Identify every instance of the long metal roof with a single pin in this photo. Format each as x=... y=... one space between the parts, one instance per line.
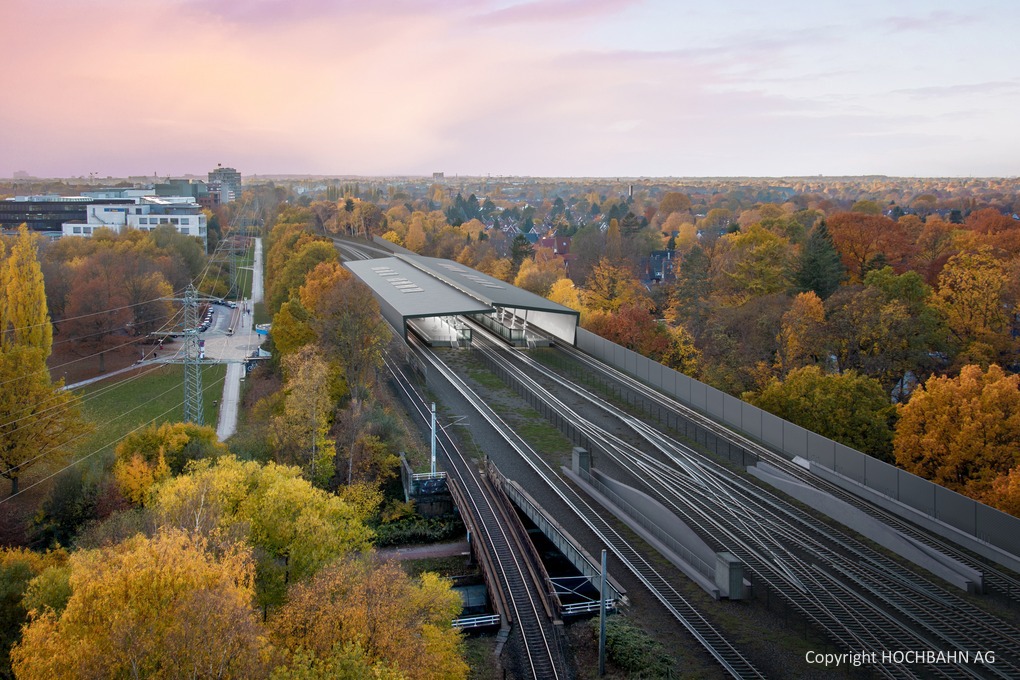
x=412 y=292
x=483 y=287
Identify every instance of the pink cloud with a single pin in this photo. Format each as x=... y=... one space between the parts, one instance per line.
x=553 y=11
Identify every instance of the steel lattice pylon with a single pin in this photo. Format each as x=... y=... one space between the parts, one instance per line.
x=192 y=363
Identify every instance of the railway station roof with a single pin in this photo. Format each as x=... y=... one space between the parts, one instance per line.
x=488 y=289
x=411 y=292
x=411 y=286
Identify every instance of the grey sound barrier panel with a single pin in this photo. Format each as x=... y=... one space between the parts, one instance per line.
x=849 y=463
x=630 y=362
x=699 y=395
x=794 y=440
x=954 y=509
x=772 y=430
x=714 y=402
x=821 y=450
x=881 y=476
x=750 y=420
x=683 y=388
x=732 y=411
x=997 y=528
x=916 y=492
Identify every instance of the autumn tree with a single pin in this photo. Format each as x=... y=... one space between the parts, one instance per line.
x=673 y=202
x=292 y=327
x=751 y=264
x=846 y=407
x=612 y=287
x=631 y=326
x=294 y=527
x=300 y=434
x=150 y=607
x=969 y=293
x=997 y=230
x=539 y=273
x=962 y=432
x=147 y=291
x=688 y=297
x=97 y=308
x=154 y=453
x=680 y=353
x=351 y=329
x=802 y=333
x=1005 y=492
x=935 y=245
x=859 y=238
x=564 y=292
x=19 y=569
x=376 y=608
x=739 y=344
x=38 y=419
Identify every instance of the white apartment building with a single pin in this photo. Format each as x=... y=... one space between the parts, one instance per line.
x=145 y=214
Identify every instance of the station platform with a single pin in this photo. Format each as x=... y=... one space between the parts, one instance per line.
x=441 y=331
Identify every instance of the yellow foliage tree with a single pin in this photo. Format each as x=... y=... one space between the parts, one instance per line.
x=970 y=290
x=135 y=476
x=962 y=432
x=301 y=433
x=564 y=292
x=396 y=623
x=152 y=454
x=802 y=334
x=538 y=275
x=296 y=527
x=611 y=287
x=38 y=419
x=151 y=607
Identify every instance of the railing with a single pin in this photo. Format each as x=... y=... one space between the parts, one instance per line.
x=585 y=607
x=707 y=570
x=476 y=621
x=418 y=476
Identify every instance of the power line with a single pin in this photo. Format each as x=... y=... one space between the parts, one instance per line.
x=51 y=369
x=143 y=371
x=89 y=455
x=80 y=436
x=82 y=316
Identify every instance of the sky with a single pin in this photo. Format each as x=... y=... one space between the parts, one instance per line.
x=560 y=88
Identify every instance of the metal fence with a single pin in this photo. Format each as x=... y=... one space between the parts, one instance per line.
x=969 y=516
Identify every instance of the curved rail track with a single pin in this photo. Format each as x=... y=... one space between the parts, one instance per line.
x=859 y=597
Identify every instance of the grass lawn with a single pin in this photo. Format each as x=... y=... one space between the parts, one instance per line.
x=121 y=405
x=244 y=273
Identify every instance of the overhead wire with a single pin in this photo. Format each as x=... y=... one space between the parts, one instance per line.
x=116 y=385
x=142 y=371
x=108 y=389
x=99 y=450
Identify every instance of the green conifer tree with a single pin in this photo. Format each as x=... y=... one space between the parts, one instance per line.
x=820 y=268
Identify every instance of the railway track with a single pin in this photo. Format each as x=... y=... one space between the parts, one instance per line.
x=542 y=654
x=714 y=641
x=997 y=581
x=817 y=570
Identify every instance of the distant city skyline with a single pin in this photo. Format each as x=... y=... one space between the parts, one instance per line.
x=559 y=88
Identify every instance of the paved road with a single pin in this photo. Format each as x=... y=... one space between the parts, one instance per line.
x=219 y=345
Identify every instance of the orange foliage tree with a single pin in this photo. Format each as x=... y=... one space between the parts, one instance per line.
x=962 y=432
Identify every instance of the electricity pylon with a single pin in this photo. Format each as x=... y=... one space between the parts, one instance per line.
x=193 y=412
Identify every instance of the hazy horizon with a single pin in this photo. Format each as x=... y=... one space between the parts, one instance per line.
x=543 y=88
